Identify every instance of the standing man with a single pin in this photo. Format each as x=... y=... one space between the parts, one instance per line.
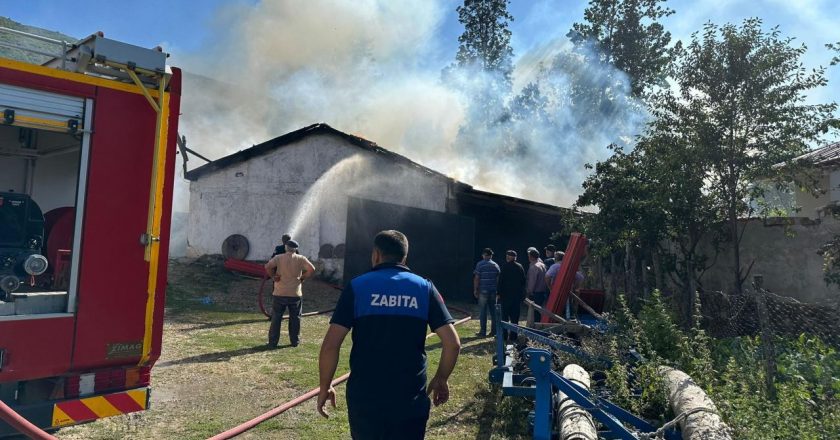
x=511 y=289
x=288 y=270
x=536 y=287
x=388 y=310
x=549 y=256
x=554 y=269
x=282 y=248
x=485 y=280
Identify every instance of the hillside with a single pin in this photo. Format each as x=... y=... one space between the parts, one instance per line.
x=21 y=55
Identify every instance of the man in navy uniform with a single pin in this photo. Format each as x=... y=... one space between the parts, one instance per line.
x=388 y=310
x=281 y=249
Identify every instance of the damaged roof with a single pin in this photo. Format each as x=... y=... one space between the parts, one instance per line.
x=322 y=128
x=294 y=136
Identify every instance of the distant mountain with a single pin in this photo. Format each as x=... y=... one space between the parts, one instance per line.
x=31 y=43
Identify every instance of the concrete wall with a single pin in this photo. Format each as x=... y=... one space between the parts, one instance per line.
x=302 y=189
x=786 y=257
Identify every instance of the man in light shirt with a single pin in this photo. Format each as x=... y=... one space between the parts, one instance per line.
x=554 y=269
x=288 y=270
x=535 y=287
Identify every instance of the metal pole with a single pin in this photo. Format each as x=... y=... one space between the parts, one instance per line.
x=500 y=338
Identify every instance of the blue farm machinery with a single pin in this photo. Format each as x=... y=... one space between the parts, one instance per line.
x=543 y=362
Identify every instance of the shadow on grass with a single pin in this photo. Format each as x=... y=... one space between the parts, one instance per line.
x=484 y=348
x=219 y=356
x=464 y=342
x=494 y=414
x=212 y=325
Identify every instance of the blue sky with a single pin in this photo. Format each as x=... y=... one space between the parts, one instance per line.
x=187 y=25
x=388 y=107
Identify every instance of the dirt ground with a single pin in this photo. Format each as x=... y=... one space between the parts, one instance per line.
x=215 y=374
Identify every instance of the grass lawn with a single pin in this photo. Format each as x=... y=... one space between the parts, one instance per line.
x=214 y=374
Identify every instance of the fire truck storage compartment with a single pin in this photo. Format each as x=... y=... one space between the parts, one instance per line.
x=41 y=161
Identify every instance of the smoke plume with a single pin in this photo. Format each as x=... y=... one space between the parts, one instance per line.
x=369 y=67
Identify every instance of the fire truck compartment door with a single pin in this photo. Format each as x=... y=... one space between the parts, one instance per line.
x=24 y=107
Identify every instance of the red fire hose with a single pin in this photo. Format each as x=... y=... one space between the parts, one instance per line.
x=268 y=315
x=233 y=432
x=22 y=425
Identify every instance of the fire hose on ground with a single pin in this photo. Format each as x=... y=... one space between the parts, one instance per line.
x=231 y=433
x=26 y=428
x=23 y=426
x=265 y=312
x=8 y=415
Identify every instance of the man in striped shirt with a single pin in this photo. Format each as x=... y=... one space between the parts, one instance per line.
x=485 y=281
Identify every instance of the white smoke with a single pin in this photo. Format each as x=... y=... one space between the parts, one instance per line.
x=363 y=67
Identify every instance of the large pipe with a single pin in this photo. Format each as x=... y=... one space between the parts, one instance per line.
x=697 y=415
x=575 y=422
x=233 y=432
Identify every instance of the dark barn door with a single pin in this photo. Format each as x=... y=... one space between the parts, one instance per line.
x=440 y=245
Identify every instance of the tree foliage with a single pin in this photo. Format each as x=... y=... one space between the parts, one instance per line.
x=486 y=38
x=484 y=61
x=735 y=110
x=630 y=37
x=741 y=103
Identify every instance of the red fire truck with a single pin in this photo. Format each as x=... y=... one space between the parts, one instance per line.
x=87 y=153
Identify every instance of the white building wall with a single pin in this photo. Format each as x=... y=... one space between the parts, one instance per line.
x=809 y=204
x=301 y=189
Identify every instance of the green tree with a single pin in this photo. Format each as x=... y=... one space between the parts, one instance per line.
x=483 y=65
x=630 y=37
x=529 y=105
x=741 y=105
x=486 y=38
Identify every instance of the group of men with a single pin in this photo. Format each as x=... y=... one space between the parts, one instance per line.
x=388 y=310
x=510 y=284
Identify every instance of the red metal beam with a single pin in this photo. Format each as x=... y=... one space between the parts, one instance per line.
x=564 y=281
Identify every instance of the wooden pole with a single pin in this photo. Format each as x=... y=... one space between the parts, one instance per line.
x=767 y=348
x=700 y=419
x=586 y=307
x=575 y=422
x=529 y=320
x=570 y=326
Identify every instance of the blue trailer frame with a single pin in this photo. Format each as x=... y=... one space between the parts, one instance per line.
x=544 y=382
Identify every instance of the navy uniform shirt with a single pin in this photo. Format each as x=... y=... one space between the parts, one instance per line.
x=389 y=309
